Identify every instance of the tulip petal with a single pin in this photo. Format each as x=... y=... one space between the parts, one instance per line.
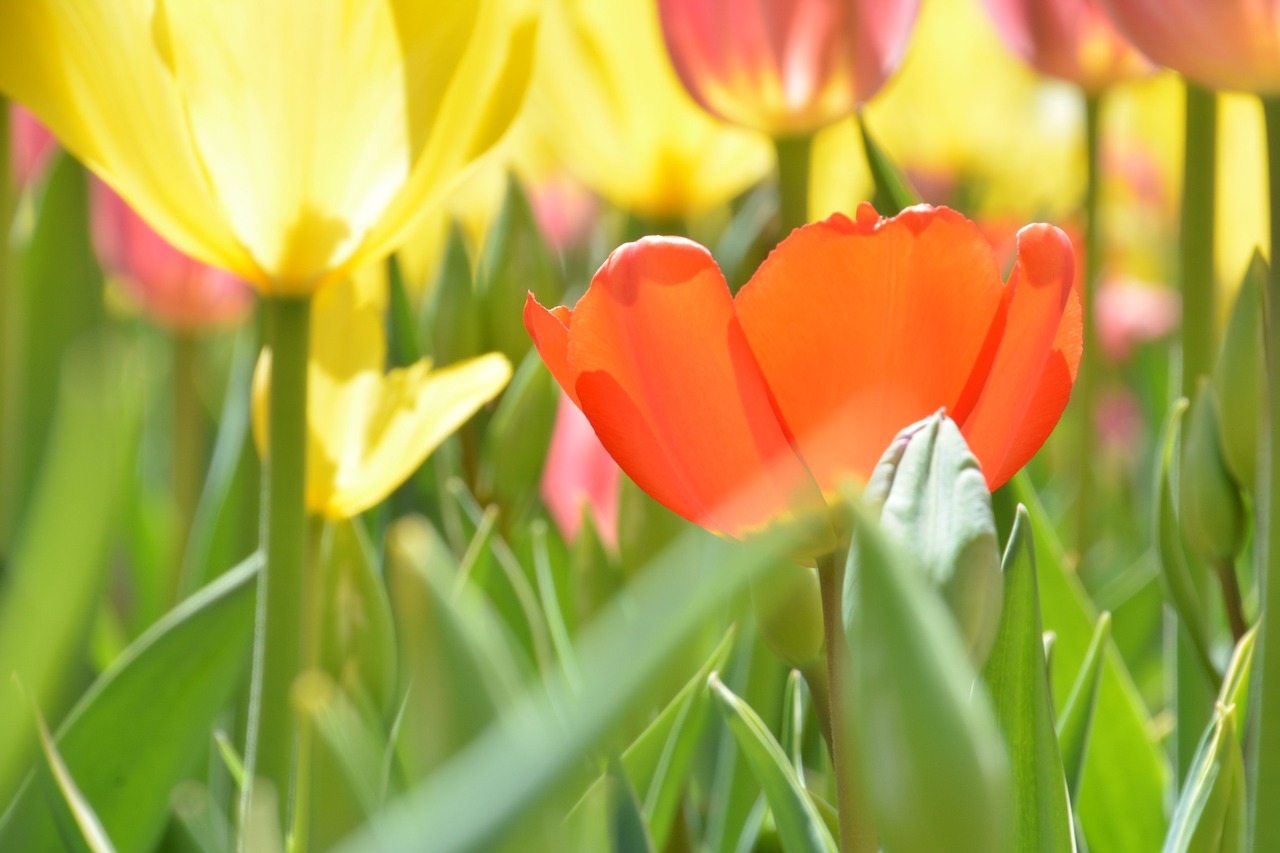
x=665 y=376
x=97 y=74
x=1030 y=378
x=300 y=114
x=550 y=333
x=415 y=409
x=862 y=328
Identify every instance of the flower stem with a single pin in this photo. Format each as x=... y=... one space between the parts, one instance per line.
x=188 y=445
x=1086 y=381
x=1231 y=599
x=793 y=181
x=1265 y=690
x=270 y=748
x=857 y=835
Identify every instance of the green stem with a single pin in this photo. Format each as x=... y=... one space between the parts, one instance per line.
x=857 y=835
x=1087 y=377
x=270 y=748
x=793 y=181
x=1232 y=601
x=1195 y=693
x=320 y=543
x=188 y=444
x=1196 y=241
x=1265 y=691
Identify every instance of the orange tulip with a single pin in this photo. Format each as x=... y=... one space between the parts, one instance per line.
x=735 y=412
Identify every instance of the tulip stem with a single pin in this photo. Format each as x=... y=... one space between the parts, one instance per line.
x=1265 y=691
x=1232 y=601
x=1085 y=388
x=793 y=181
x=857 y=835
x=188 y=445
x=270 y=746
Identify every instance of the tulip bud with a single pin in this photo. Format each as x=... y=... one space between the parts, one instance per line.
x=935 y=505
x=1210 y=510
x=1238 y=377
x=788 y=608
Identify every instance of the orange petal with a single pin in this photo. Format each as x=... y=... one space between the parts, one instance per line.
x=864 y=327
x=1035 y=365
x=550 y=333
x=668 y=382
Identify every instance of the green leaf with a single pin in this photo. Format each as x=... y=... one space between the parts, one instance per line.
x=933 y=764
x=54 y=580
x=1210 y=508
x=1238 y=375
x=402 y=325
x=1019 y=685
x=627 y=830
x=1121 y=802
x=1078 y=711
x=518 y=435
x=74 y=809
x=541 y=739
x=935 y=506
x=453 y=316
x=800 y=826
x=142 y=726
x=516 y=262
x=1211 y=813
x=893 y=191
x=1182 y=587
x=359 y=643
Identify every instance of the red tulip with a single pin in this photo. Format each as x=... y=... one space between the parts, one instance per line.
x=734 y=412
x=786 y=67
x=174 y=290
x=1070 y=39
x=1224 y=44
x=580 y=473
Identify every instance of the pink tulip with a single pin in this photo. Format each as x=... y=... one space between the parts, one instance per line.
x=32 y=144
x=1224 y=44
x=564 y=209
x=1130 y=312
x=786 y=67
x=1073 y=40
x=177 y=292
x=580 y=473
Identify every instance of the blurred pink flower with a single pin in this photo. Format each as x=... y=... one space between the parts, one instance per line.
x=786 y=67
x=1128 y=312
x=580 y=472
x=564 y=209
x=1073 y=40
x=172 y=289
x=1119 y=422
x=1225 y=44
x=32 y=144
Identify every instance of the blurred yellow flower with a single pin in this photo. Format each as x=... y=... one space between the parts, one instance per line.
x=288 y=142
x=368 y=430
x=606 y=97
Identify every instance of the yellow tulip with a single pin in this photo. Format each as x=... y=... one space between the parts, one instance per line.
x=369 y=430
x=606 y=96
x=287 y=142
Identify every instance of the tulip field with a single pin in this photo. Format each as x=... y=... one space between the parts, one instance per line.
x=639 y=426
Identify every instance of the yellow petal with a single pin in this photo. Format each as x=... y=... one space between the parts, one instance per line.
x=606 y=95
x=97 y=73
x=417 y=410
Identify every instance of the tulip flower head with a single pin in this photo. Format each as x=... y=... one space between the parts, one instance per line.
x=286 y=142
x=786 y=67
x=172 y=289
x=1073 y=40
x=736 y=411
x=1223 y=44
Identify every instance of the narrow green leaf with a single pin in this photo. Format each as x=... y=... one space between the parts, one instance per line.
x=54 y=581
x=86 y=824
x=1210 y=815
x=627 y=830
x=1078 y=711
x=1176 y=569
x=1211 y=509
x=551 y=607
x=518 y=435
x=1019 y=685
x=1122 y=791
x=794 y=708
x=144 y=723
x=926 y=736
x=799 y=825
x=893 y=191
x=230 y=757
x=452 y=318
x=1239 y=372
x=402 y=331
